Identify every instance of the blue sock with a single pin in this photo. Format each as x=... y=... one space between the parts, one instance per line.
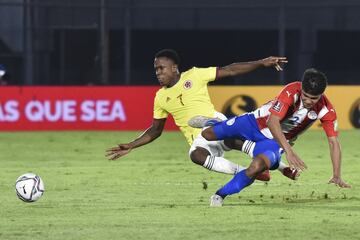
x=239 y=181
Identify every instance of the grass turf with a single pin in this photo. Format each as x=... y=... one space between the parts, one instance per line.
x=155 y=192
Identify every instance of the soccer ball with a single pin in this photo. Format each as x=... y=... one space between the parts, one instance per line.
x=29 y=187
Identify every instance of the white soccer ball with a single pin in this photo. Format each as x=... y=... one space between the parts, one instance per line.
x=29 y=187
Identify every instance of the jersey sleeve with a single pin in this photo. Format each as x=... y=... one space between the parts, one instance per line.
x=206 y=74
x=159 y=112
x=282 y=102
x=329 y=122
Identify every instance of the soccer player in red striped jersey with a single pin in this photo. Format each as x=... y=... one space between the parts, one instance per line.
x=272 y=128
x=297 y=111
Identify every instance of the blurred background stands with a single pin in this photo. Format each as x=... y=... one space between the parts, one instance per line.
x=103 y=42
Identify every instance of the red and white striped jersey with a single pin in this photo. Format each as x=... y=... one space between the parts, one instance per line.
x=294 y=118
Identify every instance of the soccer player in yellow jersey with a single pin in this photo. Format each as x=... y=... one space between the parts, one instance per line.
x=185 y=95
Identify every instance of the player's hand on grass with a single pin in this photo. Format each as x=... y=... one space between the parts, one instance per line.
x=339 y=182
x=117 y=152
x=295 y=161
x=274 y=62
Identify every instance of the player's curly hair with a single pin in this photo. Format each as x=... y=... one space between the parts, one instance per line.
x=314 y=82
x=169 y=53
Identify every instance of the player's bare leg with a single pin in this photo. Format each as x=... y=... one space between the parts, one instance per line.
x=259 y=164
x=202 y=156
x=237 y=144
x=209 y=135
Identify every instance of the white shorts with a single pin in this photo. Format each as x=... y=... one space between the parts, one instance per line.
x=215 y=148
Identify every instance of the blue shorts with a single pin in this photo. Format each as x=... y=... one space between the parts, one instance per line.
x=245 y=127
x=271 y=149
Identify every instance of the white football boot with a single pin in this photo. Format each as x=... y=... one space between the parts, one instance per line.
x=202 y=121
x=216 y=201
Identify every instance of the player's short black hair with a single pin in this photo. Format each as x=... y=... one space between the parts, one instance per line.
x=169 y=53
x=314 y=82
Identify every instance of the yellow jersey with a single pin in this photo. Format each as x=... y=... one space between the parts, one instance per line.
x=189 y=97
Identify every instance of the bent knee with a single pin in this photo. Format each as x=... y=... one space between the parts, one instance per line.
x=209 y=134
x=205 y=134
x=199 y=155
x=257 y=166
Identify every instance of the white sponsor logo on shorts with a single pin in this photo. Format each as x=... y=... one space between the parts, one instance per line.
x=230 y=121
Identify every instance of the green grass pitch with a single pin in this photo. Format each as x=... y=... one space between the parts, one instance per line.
x=155 y=192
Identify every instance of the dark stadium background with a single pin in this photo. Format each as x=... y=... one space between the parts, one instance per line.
x=109 y=42
x=80 y=80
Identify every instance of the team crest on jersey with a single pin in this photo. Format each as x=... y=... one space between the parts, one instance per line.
x=277 y=106
x=187 y=84
x=312 y=115
x=230 y=121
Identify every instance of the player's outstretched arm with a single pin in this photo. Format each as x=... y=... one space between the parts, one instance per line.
x=293 y=159
x=149 y=135
x=335 y=154
x=245 y=67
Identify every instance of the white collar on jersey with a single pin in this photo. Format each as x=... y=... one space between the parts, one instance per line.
x=301 y=107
